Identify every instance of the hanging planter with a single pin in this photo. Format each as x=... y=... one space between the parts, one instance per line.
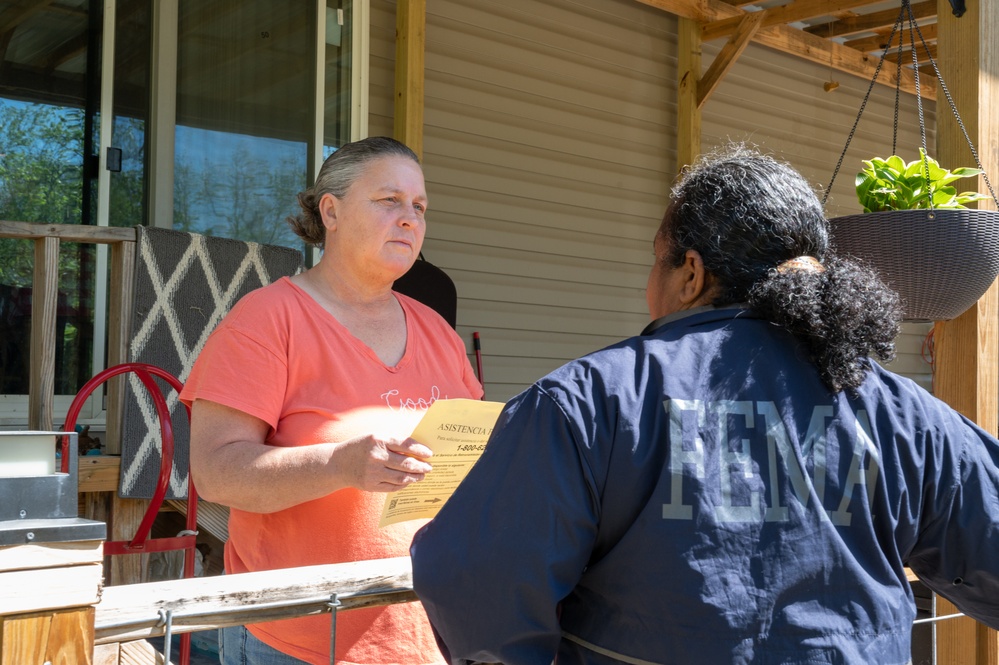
x=939 y=261
x=915 y=231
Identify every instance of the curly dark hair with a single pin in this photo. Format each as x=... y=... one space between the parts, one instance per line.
x=337 y=174
x=747 y=213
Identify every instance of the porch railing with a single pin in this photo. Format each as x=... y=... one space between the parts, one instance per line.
x=45 y=293
x=142 y=611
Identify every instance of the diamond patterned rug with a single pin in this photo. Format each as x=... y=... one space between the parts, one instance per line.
x=185 y=284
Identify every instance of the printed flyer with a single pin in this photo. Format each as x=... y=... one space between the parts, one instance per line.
x=457 y=431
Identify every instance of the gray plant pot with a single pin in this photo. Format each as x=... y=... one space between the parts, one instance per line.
x=940 y=261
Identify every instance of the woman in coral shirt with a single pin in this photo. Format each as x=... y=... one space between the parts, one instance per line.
x=304 y=398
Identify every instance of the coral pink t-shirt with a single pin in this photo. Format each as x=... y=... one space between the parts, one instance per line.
x=281 y=357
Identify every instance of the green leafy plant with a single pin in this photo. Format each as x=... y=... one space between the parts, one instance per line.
x=891 y=184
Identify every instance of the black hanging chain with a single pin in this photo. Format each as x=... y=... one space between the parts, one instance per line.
x=919 y=95
x=898 y=93
x=906 y=8
x=863 y=105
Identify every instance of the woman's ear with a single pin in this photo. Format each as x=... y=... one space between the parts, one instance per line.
x=328 y=211
x=694 y=287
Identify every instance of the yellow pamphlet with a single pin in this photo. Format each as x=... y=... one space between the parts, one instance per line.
x=457 y=431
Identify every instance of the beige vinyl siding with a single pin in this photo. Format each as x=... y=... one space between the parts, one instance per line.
x=549 y=147
x=381 y=68
x=910 y=361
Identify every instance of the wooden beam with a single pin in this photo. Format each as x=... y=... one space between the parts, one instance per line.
x=875 y=21
x=50 y=588
x=880 y=42
x=797 y=43
x=130 y=612
x=702 y=11
x=51 y=555
x=839 y=57
x=688 y=121
x=98 y=473
x=65 y=636
x=799 y=10
x=67 y=232
x=47 y=591
x=410 y=45
x=728 y=56
x=44 y=297
x=967 y=348
x=120 y=306
x=923 y=55
x=126 y=516
x=110 y=654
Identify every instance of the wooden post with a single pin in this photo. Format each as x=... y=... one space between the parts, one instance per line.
x=688 y=121
x=126 y=515
x=44 y=300
x=47 y=597
x=410 y=43
x=119 y=331
x=967 y=348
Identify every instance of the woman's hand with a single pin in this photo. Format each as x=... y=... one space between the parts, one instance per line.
x=376 y=464
x=233 y=466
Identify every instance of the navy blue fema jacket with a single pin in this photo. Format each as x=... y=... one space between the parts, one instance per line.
x=697 y=495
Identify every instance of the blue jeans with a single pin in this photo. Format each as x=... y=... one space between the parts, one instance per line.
x=238 y=646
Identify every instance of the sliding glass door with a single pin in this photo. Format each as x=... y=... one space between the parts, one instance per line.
x=204 y=116
x=50 y=92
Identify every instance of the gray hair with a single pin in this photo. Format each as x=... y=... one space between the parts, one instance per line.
x=338 y=173
x=745 y=213
x=750 y=216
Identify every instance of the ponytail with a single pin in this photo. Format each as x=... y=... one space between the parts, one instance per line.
x=842 y=315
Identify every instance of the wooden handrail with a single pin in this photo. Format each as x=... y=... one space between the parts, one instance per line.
x=103 y=235
x=133 y=611
x=136 y=611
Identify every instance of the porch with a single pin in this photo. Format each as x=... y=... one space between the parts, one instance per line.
x=965 y=369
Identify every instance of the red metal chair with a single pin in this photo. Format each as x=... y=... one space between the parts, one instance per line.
x=141 y=543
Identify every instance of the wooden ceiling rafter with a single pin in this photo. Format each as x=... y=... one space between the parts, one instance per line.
x=809 y=29
x=792 y=12
x=726 y=58
x=879 y=42
x=923 y=55
x=875 y=21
